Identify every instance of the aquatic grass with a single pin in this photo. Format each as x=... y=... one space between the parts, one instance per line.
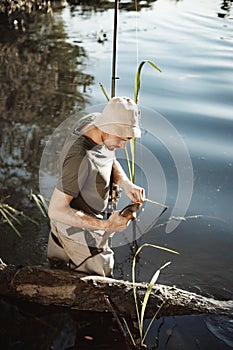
x=40 y=202
x=104 y=91
x=128 y=164
x=132 y=172
x=137 y=83
x=10 y=217
x=133 y=158
x=141 y=312
x=148 y=291
x=129 y=332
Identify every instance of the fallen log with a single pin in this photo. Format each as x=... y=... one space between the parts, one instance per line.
x=46 y=286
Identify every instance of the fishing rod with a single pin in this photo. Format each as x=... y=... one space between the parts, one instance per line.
x=113 y=189
x=114 y=49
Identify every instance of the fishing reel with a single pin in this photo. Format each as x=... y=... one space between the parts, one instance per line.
x=113 y=199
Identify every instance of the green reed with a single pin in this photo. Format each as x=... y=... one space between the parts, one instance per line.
x=11 y=215
x=141 y=307
x=40 y=202
x=137 y=85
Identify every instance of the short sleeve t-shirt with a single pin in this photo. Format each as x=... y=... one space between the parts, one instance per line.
x=85 y=171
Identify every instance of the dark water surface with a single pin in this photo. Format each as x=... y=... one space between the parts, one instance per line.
x=53 y=70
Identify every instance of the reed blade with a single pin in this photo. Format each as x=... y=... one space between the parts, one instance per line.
x=9 y=222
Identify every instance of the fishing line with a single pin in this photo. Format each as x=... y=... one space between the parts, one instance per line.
x=137 y=63
x=154 y=202
x=136 y=32
x=140 y=141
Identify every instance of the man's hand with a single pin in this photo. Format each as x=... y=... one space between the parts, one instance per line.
x=134 y=192
x=116 y=222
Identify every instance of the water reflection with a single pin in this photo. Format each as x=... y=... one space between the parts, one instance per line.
x=15 y=14
x=37 y=93
x=20 y=143
x=42 y=82
x=29 y=326
x=88 y=7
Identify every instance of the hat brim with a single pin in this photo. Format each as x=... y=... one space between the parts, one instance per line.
x=120 y=130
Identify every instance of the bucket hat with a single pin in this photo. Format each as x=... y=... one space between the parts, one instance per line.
x=120 y=117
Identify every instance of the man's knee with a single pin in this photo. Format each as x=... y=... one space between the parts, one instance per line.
x=55 y=251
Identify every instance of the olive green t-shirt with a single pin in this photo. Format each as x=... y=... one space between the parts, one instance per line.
x=85 y=171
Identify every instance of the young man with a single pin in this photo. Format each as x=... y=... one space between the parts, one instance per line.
x=81 y=194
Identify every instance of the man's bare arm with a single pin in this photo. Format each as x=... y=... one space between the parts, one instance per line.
x=134 y=192
x=60 y=210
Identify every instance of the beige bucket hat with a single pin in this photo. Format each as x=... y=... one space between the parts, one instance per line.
x=120 y=117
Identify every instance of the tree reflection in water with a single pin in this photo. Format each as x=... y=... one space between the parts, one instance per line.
x=30 y=326
x=42 y=83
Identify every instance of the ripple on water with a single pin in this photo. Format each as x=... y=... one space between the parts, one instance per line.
x=222 y=328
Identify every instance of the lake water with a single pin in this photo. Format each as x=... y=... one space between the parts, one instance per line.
x=185 y=157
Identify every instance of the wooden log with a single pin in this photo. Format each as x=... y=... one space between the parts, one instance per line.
x=46 y=286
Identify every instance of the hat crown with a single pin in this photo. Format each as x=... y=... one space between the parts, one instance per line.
x=120 y=117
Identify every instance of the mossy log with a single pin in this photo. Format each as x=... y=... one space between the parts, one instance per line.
x=66 y=288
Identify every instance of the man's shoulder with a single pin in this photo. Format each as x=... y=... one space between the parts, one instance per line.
x=77 y=144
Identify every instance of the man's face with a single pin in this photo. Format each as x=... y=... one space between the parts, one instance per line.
x=112 y=142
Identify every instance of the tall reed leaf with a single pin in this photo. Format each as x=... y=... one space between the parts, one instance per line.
x=104 y=91
x=128 y=164
x=138 y=77
x=40 y=202
x=140 y=316
x=128 y=330
x=9 y=222
x=6 y=210
x=148 y=291
x=137 y=85
x=152 y=320
x=10 y=214
x=133 y=158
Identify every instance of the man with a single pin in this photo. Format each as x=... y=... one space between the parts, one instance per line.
x=81 y=195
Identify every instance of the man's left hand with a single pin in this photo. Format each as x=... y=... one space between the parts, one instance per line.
x=135 y=193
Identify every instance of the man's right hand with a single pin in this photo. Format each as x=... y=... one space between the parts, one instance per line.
x=116 y=222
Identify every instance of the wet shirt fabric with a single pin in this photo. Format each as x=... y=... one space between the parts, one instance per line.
x=85 y=170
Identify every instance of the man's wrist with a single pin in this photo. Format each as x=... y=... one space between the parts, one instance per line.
x=90 y=222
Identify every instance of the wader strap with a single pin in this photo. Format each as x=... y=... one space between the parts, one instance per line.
x=93 y=250
x=56 y=240
x=72 y=265
x=89 y=239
